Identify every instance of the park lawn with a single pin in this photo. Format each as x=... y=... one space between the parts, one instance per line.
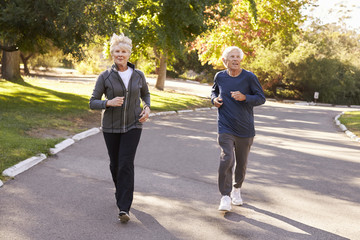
x=352 y=121
x=38 y=113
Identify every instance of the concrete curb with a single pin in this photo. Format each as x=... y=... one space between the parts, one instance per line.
x=202 y=109
x=165 y=113
x=86 y=134
x=185 y=111
x=61 y=146
x=23 y=166
x=32 y=161
x=336 y=119
x=343 y=128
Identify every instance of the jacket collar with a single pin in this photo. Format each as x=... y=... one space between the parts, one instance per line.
x=115 y=67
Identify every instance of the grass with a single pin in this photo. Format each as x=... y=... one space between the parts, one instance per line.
x=352 y=121
x=37 y=114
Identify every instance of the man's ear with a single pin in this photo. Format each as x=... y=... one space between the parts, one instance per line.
x=224 y=62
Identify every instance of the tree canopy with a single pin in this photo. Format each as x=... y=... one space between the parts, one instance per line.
x=166 y=26
x=324 y=58
x=29 y=24
x=289 y=61
x=241 y=27
x=34 y=25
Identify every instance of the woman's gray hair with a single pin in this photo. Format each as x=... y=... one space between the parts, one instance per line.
x=229 y=49
x=121 y=40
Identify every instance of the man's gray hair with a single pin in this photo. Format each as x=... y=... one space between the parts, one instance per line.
x=229 y=49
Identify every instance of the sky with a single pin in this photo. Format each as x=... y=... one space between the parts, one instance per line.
x=330 y=11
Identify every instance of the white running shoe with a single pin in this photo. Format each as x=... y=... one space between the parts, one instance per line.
x=236 y=197
x=225 y=204
x=124 y=217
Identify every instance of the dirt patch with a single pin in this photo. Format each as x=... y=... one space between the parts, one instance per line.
x=48 y=133
x=90 y=120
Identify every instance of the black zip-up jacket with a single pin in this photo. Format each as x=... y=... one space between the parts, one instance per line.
x=124 y=118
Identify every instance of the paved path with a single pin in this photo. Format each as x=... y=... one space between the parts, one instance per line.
x=180 y=86
x=186 y=87
x=302 y=183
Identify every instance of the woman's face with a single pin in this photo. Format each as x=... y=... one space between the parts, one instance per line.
x=233 y=60
x=120 y=55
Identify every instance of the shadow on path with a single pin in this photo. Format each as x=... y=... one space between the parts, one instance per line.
x=311 y=232
x=152 y=224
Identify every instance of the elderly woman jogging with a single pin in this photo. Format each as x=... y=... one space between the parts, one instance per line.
x=124 y=87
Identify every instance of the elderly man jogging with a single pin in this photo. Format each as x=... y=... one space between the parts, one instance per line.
x=235 y=92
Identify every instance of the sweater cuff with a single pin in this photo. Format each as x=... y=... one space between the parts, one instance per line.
x=104 y=104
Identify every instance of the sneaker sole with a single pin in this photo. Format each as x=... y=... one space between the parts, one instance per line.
x=237 y=204
x=124 y=218
x=225 y=209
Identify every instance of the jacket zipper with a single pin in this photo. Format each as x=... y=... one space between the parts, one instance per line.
x=125 y=105
x=126 y=96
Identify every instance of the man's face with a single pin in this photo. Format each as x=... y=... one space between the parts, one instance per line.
x=233 y=60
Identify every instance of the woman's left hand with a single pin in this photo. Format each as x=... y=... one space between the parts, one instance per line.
x=144 y=114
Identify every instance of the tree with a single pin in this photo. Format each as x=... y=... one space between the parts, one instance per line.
x=269 y=65
x=33 y=25
x=166 y=26
x=10 y=58
x=321 y=59
x=326 y=60
x=241 y=27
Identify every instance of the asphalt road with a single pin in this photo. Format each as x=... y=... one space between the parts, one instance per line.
x=302 y=182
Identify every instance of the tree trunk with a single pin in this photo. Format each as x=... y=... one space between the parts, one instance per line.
x=25 y=62
x=160 y=82
x=10 y=67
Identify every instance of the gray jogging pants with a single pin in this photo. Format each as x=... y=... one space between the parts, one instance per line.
x=234 y=152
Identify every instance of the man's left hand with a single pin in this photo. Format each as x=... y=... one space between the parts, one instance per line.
x=238 y=96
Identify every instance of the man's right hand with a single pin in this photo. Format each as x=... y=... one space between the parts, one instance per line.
x=218 y=102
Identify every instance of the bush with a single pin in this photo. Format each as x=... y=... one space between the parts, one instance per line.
x=48 y=60
x=324 y=59
x=94 y=61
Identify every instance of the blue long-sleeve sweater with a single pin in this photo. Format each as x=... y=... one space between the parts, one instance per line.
x=237 y=117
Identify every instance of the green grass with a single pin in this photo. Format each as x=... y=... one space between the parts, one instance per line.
x=352 y=121
x=29 y=110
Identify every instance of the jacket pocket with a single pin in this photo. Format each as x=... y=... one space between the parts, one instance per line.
x=137 y=113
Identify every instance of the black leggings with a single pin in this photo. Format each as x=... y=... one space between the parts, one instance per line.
x=122 y=149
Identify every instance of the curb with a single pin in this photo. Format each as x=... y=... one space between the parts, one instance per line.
x=185 y=111
x=343 y=128
x=32 y=161
x=61 y=146
x=23 y=166
x=164 y=113
x=336 y=119
x=86 y=134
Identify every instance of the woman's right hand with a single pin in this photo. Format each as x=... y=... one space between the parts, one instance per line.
x=115 y=102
